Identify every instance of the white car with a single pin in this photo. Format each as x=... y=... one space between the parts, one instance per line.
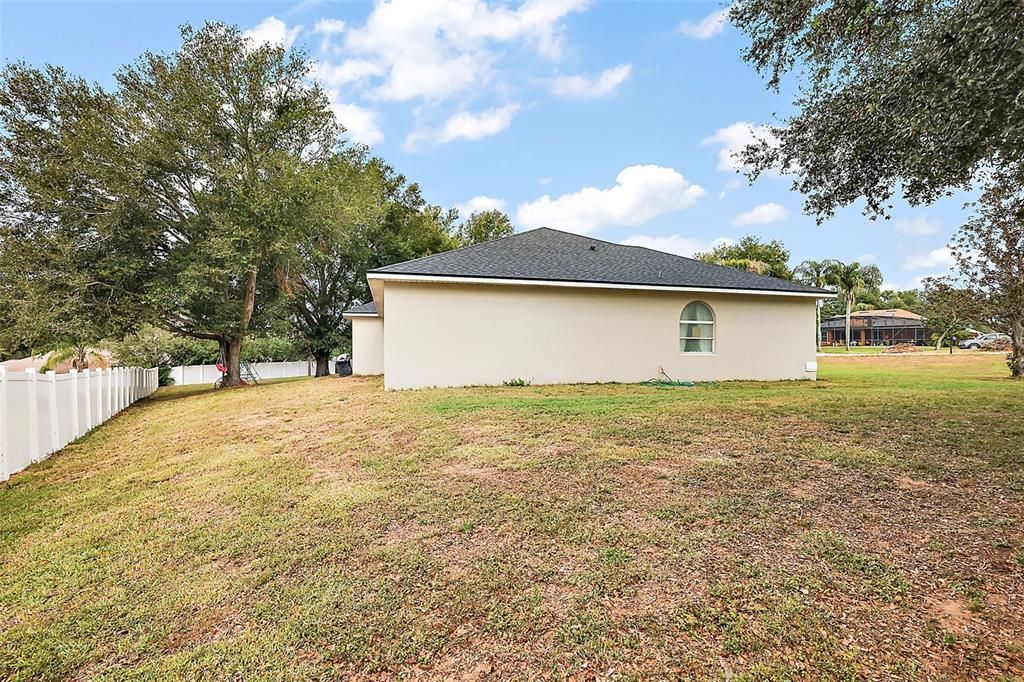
x=982 y=341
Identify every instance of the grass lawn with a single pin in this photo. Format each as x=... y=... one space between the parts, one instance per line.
x=867 y=525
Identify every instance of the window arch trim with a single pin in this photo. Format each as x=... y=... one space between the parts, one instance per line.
x=697 y=336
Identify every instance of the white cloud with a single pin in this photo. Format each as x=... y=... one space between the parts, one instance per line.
x=734 y=138
x=329 y=27
x=581 y=87
x=866 y=258
x=348 y=71
x=273 y=31
x=920 y=225
x=437 y=49
x=464 y=125
x=640 y=194
x=708 y=27
x=932 y=259
x=546 y=180
x=480 y=203
x=762 y=214
x=675 y=243
x=361 y=124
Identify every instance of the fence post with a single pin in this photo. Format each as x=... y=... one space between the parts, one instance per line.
x=99 y=397
x=33 y=415
x=4 y=456
x=51 y=389
x=108 y=394
x=76 y=425
x=88 y=399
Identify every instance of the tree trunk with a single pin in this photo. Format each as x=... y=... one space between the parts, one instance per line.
x=942 y=337
x=1017 y=353
x=231 y=348
x=323 y=363
x=848 y=306
x=231 y=351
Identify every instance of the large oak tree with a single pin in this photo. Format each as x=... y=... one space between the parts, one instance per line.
x=166 y=194
x=909 y=97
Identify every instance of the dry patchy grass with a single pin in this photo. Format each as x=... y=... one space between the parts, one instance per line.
x=864 y=526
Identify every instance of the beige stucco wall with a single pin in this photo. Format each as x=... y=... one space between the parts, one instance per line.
x=468 y=334
x=367 y=345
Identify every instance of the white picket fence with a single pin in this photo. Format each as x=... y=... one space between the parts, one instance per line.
x=40 y=414
x=188 y=375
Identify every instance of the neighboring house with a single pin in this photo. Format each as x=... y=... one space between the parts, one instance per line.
x=552 y=307
x=876 y=328
x=97 y=358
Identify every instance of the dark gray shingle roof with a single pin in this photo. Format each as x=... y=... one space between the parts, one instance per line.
x=364 y=309
x=547 y=254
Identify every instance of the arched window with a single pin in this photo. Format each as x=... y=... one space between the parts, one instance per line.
x=697 y=329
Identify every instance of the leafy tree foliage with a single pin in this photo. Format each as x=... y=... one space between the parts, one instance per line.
x=989 y=250
x=483 y=226
x=750 y=253
x=910 y=96
x=850 y=279
x=357 y=214
x=164 y=200
x=948 y=307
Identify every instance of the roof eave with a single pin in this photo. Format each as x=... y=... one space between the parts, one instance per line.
x=464 y=279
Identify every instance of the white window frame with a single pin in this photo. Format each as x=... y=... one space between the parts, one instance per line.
x=712 y=323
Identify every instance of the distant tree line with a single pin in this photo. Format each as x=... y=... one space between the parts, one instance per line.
x=949 y=305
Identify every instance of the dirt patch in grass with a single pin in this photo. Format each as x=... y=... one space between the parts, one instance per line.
x=857 y=527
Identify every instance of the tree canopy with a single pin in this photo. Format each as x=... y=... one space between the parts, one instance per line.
x=483 y=226
x=894 y=96
x=750 y=253
x=357 y=213
x=165 y=197
x=989 y=250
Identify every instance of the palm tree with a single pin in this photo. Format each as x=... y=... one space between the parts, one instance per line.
x=851 y=279
x=815 y=273
x=79 y=356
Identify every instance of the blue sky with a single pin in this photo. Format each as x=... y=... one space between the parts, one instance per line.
x=609 y=119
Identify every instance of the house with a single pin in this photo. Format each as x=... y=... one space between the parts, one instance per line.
x=548 y=307
x=876 y=328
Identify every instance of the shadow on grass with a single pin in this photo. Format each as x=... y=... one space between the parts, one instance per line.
x=169 y=393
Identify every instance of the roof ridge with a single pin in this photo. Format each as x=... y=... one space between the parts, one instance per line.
x=546 y=253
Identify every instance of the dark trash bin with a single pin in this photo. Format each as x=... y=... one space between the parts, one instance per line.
x=343 y=367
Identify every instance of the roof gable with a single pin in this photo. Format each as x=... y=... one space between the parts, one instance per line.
x=552 y=255
x=368 y=309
